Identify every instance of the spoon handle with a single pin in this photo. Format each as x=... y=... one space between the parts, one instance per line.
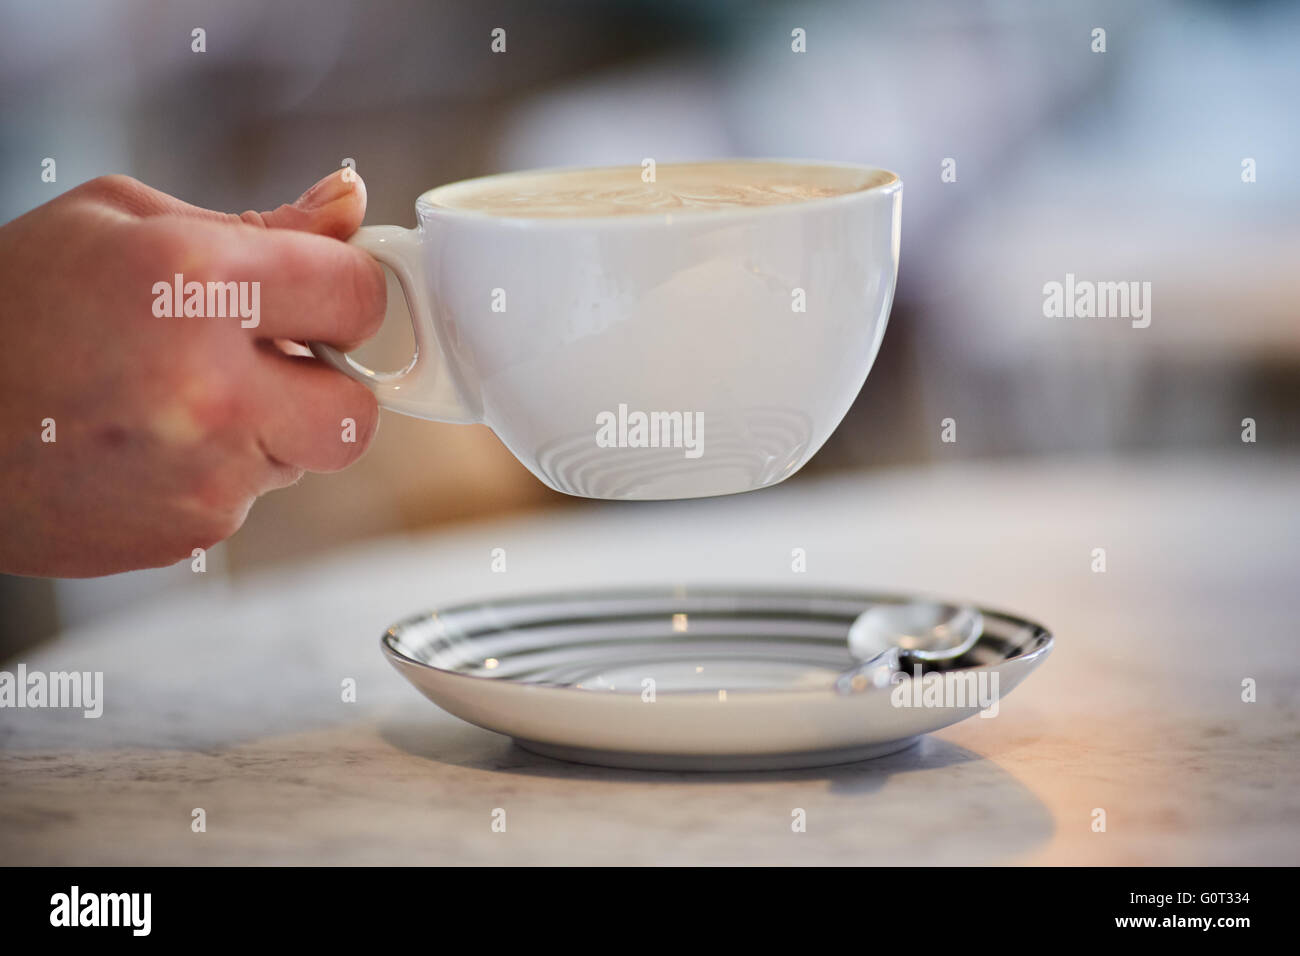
x=872 y=674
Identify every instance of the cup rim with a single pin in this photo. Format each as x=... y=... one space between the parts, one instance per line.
x=893 y=183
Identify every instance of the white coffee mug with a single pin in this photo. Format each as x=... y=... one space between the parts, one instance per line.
x=650 y=355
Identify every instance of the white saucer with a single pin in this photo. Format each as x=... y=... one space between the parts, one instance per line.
x=693 y=679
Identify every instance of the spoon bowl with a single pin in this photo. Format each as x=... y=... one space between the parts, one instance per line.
x=922 y=631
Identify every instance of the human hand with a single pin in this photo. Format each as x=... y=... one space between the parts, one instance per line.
x=165 y=429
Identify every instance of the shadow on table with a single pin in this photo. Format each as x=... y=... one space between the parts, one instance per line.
x=934 y=791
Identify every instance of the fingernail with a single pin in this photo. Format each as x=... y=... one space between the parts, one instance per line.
x=333 y=187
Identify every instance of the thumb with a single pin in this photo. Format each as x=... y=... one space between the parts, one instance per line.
x=333 y=207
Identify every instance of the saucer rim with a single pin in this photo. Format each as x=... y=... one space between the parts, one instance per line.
x=1041 y=639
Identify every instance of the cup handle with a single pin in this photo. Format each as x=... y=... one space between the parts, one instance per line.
x=425 y=388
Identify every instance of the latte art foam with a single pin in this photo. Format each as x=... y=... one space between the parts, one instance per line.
x=678 y=188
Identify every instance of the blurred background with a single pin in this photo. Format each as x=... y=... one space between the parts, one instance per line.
x=1119 y=165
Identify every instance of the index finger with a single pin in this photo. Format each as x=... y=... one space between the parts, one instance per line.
x=283 y=283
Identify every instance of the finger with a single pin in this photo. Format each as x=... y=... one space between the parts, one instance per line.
x=313 y=417
x=289 y=285
x=335 y=206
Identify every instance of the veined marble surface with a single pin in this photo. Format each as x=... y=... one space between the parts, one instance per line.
x=226 y=695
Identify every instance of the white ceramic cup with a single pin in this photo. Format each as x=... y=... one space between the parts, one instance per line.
x=577 y=340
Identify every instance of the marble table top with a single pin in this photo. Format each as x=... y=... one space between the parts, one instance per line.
x=225 y=695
